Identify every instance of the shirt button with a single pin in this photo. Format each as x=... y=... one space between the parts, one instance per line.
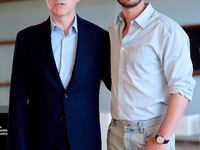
x=63 y=57
x=121 y=70
x=123 y=49
x=120 y=111
x=120 y=91
x=62 y=117
x=65 y=95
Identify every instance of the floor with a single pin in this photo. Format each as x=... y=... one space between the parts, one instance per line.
x=187 y=145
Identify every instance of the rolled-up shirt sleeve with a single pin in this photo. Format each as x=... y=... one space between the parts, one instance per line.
x=177 y=64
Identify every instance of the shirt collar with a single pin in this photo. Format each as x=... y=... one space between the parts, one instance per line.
x=74 y=26
x=142 y=19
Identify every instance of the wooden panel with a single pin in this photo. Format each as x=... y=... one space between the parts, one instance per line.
x=193 y=32
x=191 y=27
x=196 y=73
x=2 y=84
x=7 y=0
x=7 y=42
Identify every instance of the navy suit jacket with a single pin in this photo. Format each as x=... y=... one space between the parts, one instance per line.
x=40 y=108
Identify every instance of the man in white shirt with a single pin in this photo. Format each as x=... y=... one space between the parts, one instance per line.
x=152 y=80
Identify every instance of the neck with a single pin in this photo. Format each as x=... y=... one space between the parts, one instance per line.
x=131 y=14
x=64 y=22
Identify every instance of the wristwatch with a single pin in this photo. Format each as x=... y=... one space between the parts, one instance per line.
x=160 y=139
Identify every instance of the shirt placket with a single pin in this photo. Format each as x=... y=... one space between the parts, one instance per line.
x=121 y=92
x=63 y=72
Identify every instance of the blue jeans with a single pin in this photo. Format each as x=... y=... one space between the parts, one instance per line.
x=125 y=135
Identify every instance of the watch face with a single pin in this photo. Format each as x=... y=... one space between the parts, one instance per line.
x=160 y=139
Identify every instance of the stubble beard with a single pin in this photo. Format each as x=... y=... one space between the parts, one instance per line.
x=129 y=5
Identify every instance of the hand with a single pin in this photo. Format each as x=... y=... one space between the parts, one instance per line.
x=40 y=22
x=153 y=145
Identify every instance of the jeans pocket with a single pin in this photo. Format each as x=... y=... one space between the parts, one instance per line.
x=152 y=130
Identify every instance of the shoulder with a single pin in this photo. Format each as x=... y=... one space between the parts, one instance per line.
x=87 y=25
x=33 y=30
x=167 y=24
x=36 y=27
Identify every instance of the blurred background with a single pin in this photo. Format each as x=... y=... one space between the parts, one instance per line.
x=18 y=14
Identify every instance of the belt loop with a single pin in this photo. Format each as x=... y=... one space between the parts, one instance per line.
x=140 y=125
x=113 y=122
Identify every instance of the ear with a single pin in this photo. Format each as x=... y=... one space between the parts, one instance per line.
x=47 y=3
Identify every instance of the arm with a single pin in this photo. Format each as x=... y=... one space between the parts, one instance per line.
x=176 y=108
x=18 y=100
x=178 y=70
x=105 y=62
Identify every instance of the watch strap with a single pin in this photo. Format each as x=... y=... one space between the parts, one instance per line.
x=164 y=142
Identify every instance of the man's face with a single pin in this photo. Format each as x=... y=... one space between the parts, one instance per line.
x=129 y=3
x=61 y=7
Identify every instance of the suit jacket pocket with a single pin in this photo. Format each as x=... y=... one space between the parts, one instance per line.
x=92 y=129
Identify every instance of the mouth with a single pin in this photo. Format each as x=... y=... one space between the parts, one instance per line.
x=59 y=4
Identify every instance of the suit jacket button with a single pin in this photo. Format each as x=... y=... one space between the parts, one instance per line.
x=65 y=95
x=62 y=117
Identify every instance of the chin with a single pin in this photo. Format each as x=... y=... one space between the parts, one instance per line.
x=60 y=14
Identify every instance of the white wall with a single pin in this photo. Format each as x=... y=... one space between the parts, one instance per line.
x=185 y=12
x=15 y=16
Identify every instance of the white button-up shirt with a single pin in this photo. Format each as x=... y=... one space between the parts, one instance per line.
x=64 y=50
x=151 y=62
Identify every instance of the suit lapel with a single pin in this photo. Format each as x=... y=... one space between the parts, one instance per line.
x=84 y=42
x=43 y=44
x=83 y=47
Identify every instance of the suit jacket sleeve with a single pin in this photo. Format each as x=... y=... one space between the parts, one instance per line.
x=18 y=99
x=105 y=62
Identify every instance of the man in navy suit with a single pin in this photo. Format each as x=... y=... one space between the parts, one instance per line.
x=54 y=95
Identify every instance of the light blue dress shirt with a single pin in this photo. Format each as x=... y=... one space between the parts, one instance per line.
x=151 y=62
x=64 y=50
